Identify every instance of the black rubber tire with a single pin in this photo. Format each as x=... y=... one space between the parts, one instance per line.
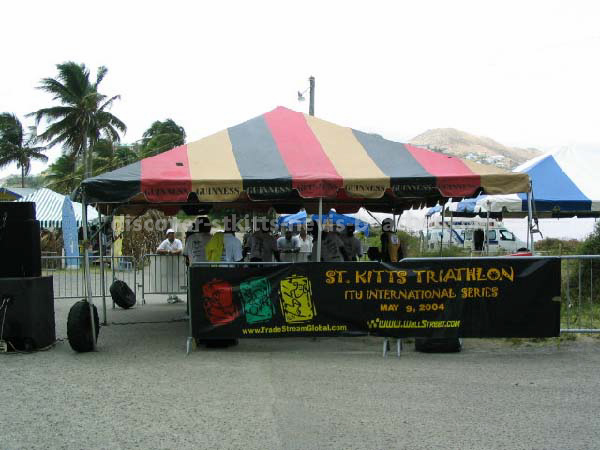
x=122 y=294
x=79 y=330
x=438 y=345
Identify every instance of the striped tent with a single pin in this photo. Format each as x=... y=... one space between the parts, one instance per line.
x=565 y=184
x=287 y=159
x=49 y=206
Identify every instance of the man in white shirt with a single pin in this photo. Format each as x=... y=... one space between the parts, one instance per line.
x=289 y=246
x=306 y=245
x=171 y=246
x=351 y=244
x=196 y=243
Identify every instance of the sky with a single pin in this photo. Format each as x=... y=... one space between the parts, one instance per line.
x=523 y=73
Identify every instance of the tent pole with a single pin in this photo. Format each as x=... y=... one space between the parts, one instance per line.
x=319 y=229
x=529 y=218
x=86 y=268
x=102 y=280
x=426 y=240
x=442 y=240
x=451 y=223
x=487 y=234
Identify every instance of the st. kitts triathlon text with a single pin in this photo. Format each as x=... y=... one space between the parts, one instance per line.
x=440 y=284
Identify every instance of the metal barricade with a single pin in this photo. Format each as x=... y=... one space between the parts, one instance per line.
x=69 y=279
x=163 y=274
x=580 y=312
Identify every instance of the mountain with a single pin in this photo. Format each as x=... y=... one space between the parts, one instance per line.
x=476 y=148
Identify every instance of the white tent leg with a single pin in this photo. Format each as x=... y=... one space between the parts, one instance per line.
x=442 y=238
x=86 y=268
x=529 y=217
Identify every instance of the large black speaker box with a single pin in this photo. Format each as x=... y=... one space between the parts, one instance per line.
x=27 y=310
x=20 y=249
x=16 y=211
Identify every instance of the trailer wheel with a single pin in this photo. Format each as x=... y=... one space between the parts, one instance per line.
x=122 y=294
x=79 y=330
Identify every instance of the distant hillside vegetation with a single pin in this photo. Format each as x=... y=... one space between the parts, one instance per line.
x=476 y=148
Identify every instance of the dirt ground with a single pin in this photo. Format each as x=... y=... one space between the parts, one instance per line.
x=140 y=390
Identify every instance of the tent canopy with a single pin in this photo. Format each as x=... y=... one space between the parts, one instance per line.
x=565 y=184
x=288 y=160
x=331 y=217
x=11 y=194
x=49 y=207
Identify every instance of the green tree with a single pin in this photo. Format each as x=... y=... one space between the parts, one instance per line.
x=63 y=176
x=16 y=147
x=162 y=136
x=109 y=156
x=82 y=117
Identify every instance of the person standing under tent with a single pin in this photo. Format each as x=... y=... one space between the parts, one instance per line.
x=306 y=245
x=391 y=247
x=352 y=244
x=195 y=244
x=232 y=246
x=288 y=246
x=263 y=246
x=332 y=247
x=171 y=246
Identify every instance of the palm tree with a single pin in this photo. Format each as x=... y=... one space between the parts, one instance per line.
x=82 y=117
x=111 y=157
x=162 y=136
x=16 y=147
x=62 y=175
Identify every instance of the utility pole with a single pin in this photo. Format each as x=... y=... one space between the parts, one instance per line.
x=311 y=106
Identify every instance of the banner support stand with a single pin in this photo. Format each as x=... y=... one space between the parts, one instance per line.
x=386 y=346
x=190 y=343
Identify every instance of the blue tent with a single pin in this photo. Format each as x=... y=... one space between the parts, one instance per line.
x=565 y=184
x=331 y=217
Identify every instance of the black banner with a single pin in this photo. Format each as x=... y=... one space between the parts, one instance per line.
x=470 y=297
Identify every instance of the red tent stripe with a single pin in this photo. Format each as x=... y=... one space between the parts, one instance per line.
x=453 y=177
x=313 y=174
x=166 y=177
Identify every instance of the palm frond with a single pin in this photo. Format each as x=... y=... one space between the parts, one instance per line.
x=100 y=74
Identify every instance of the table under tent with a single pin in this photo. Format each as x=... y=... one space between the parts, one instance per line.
x=286 y=160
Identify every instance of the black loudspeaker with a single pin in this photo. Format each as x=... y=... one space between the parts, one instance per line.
x=20 y=249
x=16 y=211
x=27 y=310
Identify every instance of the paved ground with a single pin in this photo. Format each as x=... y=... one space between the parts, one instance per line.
x=140 y=390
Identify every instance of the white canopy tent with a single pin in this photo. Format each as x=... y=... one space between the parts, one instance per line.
x=49 y=207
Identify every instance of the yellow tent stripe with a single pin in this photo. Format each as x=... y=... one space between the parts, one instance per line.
x=497 y=181
x=213 y=169
x=362 y=177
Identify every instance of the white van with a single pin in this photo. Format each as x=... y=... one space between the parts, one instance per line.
x=460 y=233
